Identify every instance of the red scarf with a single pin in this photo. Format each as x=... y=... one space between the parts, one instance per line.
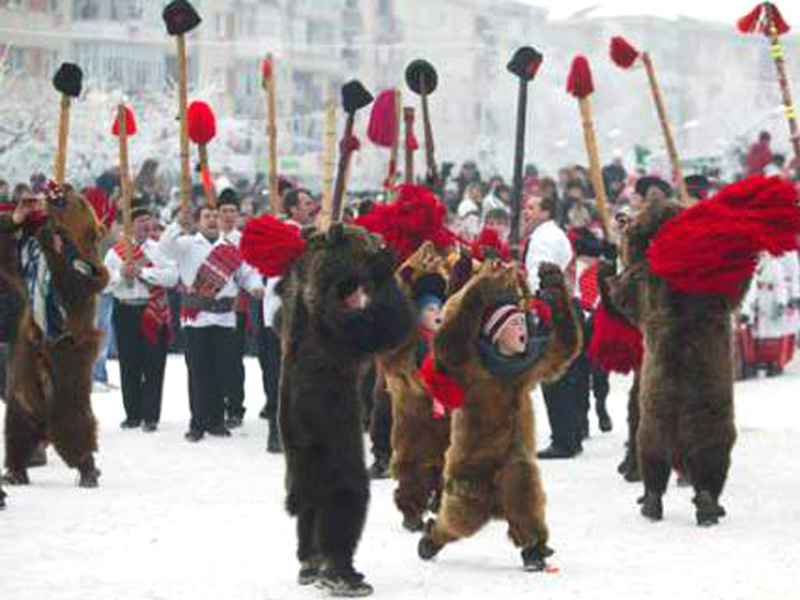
x=222 y=262
x=156 y=313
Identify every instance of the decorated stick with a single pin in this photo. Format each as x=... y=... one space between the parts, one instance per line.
x=384 y=129
x=767 y=19
x=268 y=83
x=394 y=157
x=625 y=55
x=411 y=143
x=524 y=64
x=125 y=126
x=580 y=85
x=328 y=162
x=422 y=79
x=180 y=18
x=354 y=97
x=202 y=128
x=68 y=80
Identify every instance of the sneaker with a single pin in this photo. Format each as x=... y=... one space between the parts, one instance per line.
x=344 y=584
x=193 y=435
x=130 y=424
x=149 y=426
x=309 y=573
x=219 y=431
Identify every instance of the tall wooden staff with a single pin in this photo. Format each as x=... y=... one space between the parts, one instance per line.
x=268 y=83
x=767 y=19
x=181 y=18
x=125 y=127
x=524 y=64
x=202 y=128
x=410 y=144
x=625 y=55
x=68 y=81
x=422 y=79
x=354 y=97
x=580 y=85
x=328 y=162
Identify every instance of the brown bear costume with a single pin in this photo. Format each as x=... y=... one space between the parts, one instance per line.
x=57 y=343
x=325 y=341
x=419 y=441
x=685 y=388
x=490 y=469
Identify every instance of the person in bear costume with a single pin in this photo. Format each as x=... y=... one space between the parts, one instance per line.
x=50 y=392
x=341 y=305
x=492 y=348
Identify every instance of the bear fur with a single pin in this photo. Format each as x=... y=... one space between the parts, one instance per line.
x=418 y=440
x=685 y=388
x=490 y=466
x=324 y=346
x=50 y=389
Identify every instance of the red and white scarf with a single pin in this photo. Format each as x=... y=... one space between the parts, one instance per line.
x=222 y=262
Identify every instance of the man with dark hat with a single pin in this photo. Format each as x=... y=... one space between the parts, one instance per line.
x=652 y=189
x=139 y=278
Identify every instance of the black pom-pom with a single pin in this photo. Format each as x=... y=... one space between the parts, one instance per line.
x=421 y=76
x=180 y=17
x=69 y=79
x=525 y=63
x=355 y=96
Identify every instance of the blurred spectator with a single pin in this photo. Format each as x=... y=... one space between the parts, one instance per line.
x=759 y=155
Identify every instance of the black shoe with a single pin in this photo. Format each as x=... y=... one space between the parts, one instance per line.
x=652 y=508
x=379 y=468
x=274 y=445
x=309 y=572
x=708 y=510
x=533 y=557
x=130 y=424
x=554 y=452
x=344 y=584
x=38 y=457
x=585 y=430
x=13 y=477
x=427 y=548
x=149 y=426
x=263 y=414
x=193 y=435
x=604 y=422
x=219 y=431
x=233 y=422
x=2 y=499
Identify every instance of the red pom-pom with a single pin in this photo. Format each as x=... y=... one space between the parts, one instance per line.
x=271 y=245
x=103 y=207
x=579 y=82
x=622 y=53
x=383 y=130
x=713 y=247
x=616 y=346
x=202 y=123
x=266 y=69
x=130 y=123
x=442 y=388
x=761 y=19
x=489 y=239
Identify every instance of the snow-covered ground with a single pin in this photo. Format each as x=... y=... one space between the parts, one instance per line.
x=175 y=521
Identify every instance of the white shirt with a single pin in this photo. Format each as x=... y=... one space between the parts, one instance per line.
x=190 y=252
x=272 y=302
x=548 y=243
x=163 y=273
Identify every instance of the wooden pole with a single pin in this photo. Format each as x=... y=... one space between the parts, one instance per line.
x=408 y=117
x=63 y=136
x=395 y=152
x=519 y=159
x=677 y=172
x=776 y=50
x=433 y=175
x=183 y=100
x=341 y=173
x=208 y=185
x=272 y=130
x=125 y=184
x=328 y=162
x=590 y=139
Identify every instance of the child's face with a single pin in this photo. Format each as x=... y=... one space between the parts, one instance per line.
x=431 y=317
x=513 y=340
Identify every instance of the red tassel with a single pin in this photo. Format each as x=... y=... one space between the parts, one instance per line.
x=616 y=346
x=266 y=69
x=383 y=130
x=622 y=53
x=349 y=144
x=411 y=142
x=579 y=81
x=103 y=207
x=488 y=239
x=202 y=123
x=761 y=18
x=130 y=123
x=206 y=176
x=270 y=245
x=442 y=388
x=713 y=247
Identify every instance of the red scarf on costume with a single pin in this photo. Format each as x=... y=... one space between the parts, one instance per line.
x=222 y=262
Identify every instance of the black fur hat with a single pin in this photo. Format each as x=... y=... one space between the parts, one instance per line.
x=645 y=183
x=228 y=196
x=419 y=70
x=355 y=96
x=69 y=79
x=525 y=63
x=180 y=17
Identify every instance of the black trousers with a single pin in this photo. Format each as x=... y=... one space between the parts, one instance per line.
x=141 y=364
x=567 y=400
x=380 y=423
x=235 y=398
x=269 y=357
x=210 y=355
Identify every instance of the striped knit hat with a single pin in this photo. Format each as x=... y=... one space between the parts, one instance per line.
x=496 y=318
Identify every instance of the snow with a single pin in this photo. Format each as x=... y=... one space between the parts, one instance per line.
x=174 y=521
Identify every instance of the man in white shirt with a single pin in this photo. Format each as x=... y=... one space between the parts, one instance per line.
x=138 y=280
x=212 y=274
x=548 y=243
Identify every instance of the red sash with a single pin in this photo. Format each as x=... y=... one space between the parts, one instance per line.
x=220 y=265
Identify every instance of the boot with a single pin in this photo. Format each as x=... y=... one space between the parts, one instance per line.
x=652 y=508
x=344 y=583
x=274 y=445
x=708 y=510
x=533 y=557
x=603 y=418
x=427 y=548
x=379 y=468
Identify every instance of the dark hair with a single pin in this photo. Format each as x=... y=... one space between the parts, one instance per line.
x=365 y=206
x=291 y=198
x=199 y=211
x=228 y=196
x=548 y=204
x=497 y=214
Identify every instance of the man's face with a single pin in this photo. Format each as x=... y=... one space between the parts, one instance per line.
x=513 y=338
x=141 y=228
x=575 y=192
x=207 y=224
x=533 y=213
x=303 y=213
x=228 y=216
